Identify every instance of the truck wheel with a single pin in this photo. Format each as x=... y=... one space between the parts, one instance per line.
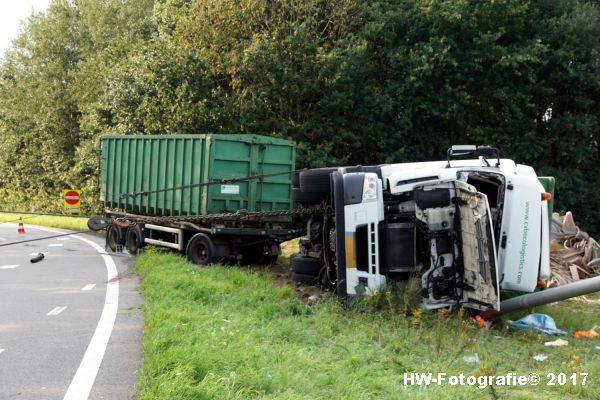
x=134 y=239
x=306 y=265
x=114 y=237
x=200 y=249
x=305 y=279
x=305 y=197
x=98 y=222
x=296 y=179
x=316 y=180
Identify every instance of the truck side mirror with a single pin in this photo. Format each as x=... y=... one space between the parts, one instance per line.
x=465 y=149
x=459 y=150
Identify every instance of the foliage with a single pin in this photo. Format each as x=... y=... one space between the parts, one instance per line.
x=352 y=82
x=64 y=222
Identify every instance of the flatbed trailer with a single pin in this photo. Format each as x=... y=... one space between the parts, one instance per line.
x=209 y=196
x=242 y=235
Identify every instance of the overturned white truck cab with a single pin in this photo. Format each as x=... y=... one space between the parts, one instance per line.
x=466 y=228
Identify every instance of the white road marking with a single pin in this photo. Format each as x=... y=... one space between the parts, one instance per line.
x=84 y=378
x=89 y=287
x=1 y=351
x=64 y=238
x=56 y=245
x=9 y=266
x=2 y=239
x=57 y=310
x=38 y=252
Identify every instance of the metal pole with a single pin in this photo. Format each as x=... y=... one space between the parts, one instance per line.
x=547 y=296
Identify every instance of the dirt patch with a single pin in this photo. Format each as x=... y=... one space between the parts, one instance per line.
x=280 y=273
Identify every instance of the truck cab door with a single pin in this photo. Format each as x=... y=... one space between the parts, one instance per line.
x=480 y=287
x=521 y=234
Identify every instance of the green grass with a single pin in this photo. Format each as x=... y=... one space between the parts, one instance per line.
x=66 y=222
x=230 y=333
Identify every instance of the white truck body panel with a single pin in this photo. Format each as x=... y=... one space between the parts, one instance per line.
x=368 y=213
x=521 y=234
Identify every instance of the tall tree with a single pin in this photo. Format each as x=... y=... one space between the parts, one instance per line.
x=352 y=82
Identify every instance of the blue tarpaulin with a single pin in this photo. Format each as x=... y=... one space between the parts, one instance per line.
x=540 y=323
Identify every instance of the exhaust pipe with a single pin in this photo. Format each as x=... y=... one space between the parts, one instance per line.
x=580 y=288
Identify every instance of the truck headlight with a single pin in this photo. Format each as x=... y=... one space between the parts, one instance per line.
x=370 y=187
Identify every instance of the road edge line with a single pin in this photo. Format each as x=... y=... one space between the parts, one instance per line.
x=84 y=378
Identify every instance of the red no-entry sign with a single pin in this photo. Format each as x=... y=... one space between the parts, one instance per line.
x=71 y=199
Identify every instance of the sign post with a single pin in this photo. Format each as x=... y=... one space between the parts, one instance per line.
x=71 y=200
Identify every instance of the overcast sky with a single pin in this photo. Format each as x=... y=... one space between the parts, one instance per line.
x=12 y=12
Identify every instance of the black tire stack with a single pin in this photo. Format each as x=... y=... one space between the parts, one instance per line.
x=306 y=270
x=316 y=180
x=309 y=187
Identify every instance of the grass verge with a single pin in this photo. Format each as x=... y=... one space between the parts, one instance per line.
x=66 y=222
x=229 y=333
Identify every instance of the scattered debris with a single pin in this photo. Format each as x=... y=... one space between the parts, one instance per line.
x=597 y=347
x=539 y=323
x=481 y=322
x=557 y=343
x=474 y=359
x=540 y=357
x=573 y=253
x=589 y=334
x=498 y=337
x=315 y=299
x=37 y=258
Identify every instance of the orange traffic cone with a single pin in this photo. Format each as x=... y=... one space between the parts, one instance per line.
x=21 y=227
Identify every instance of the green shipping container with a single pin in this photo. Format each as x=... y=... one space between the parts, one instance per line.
x=151 y=163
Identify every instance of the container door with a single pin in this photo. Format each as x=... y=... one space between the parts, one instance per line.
x=242 y=156
x=276 y=161
x=231 y=158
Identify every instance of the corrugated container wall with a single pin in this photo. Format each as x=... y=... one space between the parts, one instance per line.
x=151 y=163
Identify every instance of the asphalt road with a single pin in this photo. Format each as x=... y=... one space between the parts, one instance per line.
x=71 y=324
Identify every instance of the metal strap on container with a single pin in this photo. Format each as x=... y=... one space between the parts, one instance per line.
x=219 y=182
x=240 y=215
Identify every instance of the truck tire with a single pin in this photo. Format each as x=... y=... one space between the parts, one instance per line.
x=316 y=180
x=200 y=249
x=134 y=239
x=306 y=265
x=305 y=279
x=296 y=179
x=114 y=238
x=300 y=196
x=98 y=223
